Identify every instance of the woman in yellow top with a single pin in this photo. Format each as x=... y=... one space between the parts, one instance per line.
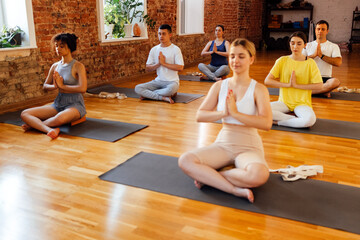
x=296 y=76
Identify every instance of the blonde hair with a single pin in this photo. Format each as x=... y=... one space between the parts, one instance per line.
x=248 y=45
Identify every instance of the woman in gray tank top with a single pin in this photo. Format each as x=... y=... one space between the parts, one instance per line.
x=68 y=76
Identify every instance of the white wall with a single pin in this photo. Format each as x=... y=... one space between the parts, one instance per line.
x=338 y=13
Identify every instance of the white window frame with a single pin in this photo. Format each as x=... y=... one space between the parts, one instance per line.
x=188 y=14
x=100 y=8
x=30 y=38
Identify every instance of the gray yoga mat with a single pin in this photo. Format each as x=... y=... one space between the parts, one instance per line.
x=317 y=202
x=334 y=95
x=193 y=78
x=130 y=92
x=92 y=128
x=327 y=127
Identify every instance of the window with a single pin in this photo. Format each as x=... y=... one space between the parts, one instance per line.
x=190 y=17
x=18 y=14
x=117 y=19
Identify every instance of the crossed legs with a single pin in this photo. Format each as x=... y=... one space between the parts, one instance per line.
x=304 y=115
x=212 y=72
x=47 y=118
x=202 y=165
x=328 y=86
x=158 y=90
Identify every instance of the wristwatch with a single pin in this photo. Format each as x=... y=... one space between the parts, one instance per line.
x=322 y=56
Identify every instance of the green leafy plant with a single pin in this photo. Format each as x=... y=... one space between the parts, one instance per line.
x=10 y=37
x=119 y=12
x=148 y=20
x=130 y=10
x=113 y=14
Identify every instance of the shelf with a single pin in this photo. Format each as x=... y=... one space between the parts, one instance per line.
x=287 y=29
x=291 y=9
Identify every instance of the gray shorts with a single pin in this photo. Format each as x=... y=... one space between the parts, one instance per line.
x=70 y=100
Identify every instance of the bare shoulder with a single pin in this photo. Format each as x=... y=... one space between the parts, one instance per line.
x=54 y=65
x=217 y=85
x=79 y=66
x=209 y=43
x=261 y=89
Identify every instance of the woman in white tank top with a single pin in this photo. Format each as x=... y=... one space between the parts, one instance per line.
x=244 y=106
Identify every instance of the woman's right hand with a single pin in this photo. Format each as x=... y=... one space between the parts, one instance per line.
x=214 y=48
x=292 y=82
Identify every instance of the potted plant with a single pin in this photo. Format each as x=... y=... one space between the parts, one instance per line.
x=130 y=11
x=122 y=14
x=114 y=19
x=11 y=37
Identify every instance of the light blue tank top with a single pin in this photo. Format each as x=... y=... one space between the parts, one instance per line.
x=65 y=72
x=246 y=105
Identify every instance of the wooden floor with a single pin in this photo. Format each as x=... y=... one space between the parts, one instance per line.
x=51 y=190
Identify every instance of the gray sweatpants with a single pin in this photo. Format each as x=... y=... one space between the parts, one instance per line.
x=212 y=72
x=156 y=89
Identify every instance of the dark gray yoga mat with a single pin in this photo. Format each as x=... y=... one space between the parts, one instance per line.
x=130 y=92
x=317 y=202
x=92 y=128
x=327 y=127
x=334 y=95
x=193 y=78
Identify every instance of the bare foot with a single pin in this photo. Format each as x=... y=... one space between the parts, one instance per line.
x=275 y=122
x=54 y=133
x=244 y=192
x=328 y=95
x=174 y=95
x=204 y=78
x=168 y=99
x=198 y=184
x=218 y=79
x=25 y=127
x=142 y=98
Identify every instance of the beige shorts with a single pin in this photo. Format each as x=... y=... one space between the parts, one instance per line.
x=234 y=145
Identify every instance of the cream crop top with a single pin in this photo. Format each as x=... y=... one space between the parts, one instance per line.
x=246 y=105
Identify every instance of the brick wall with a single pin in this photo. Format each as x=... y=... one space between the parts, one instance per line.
x=21 y=77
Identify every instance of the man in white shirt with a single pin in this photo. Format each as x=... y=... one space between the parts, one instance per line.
x=326 y=54
x=167 y=60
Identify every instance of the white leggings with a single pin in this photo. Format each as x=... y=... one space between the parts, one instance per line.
x=304 y=115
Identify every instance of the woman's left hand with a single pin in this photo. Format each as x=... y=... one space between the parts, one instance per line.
x=214 y=48
x=231 y=103
x=293 y=80
x=58 y=80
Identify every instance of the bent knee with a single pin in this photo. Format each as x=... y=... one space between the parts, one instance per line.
x=259 y=174
x=336 y=82
x=186 y=160
x=309 y=122
x=25 y=113
x=138 y=89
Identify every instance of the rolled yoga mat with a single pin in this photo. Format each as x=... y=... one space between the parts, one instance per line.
x=92 y=128
x=130 y=92
x=312 y=201
x=334 y=95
